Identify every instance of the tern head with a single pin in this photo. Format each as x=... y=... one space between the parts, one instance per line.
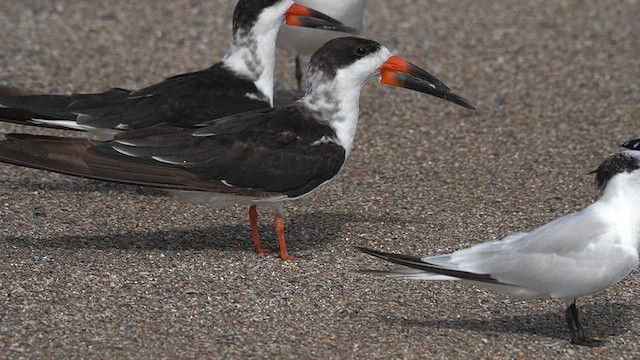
x=270 y=14
x=622 y=168
x=632 y=144
x=352 y=62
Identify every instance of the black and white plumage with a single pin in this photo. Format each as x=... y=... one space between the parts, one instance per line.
x=263 y=157
x=572 y=256
x=241 y=81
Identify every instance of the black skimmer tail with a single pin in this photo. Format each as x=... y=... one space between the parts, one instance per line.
x=242 y=81
x=302 y=43
x=259 y=158
x=575 y=255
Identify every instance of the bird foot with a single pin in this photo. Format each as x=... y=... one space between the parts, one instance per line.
x=263 y=251
x=291 y=258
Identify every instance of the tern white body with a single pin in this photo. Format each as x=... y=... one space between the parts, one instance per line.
x=575 y=255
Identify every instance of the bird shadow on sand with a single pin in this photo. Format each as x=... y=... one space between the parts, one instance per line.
x=303 y=233
x=600 y=321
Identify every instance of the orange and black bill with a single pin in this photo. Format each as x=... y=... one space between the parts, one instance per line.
x=399 y=72
x=300 y=15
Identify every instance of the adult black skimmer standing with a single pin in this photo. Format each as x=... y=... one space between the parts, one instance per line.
x=263 y=157
x=575 y=255
x=241 y=81
x=302 y=43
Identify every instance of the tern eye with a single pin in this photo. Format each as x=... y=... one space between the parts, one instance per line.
x=361 y=51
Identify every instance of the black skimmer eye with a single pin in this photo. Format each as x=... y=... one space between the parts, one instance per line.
x=399 y=72
x=361 y=51
x=300 y=15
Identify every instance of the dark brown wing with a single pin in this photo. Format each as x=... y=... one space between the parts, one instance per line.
x=183 y=100
x=69 y=156
x=277 y=152
x=281 y=150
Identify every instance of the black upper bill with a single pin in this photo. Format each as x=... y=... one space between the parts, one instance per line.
x=433 y=87
x=399 y=72
x=299 y=15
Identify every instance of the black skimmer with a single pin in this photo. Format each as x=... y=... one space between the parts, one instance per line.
x=575 y=255
x=241 y=81
x=264 y=157
x=302 y=43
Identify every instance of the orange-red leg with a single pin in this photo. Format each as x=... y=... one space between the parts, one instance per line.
x=280 y=231
x=253 y=219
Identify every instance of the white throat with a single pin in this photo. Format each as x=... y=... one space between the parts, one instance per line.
x=251 y=54
x=619 y=203
x=337 y=100
x=623 y=190
x=339 y=105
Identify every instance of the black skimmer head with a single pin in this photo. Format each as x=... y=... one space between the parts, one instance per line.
x=268 y=14
x=350 y=62
x=339 y=70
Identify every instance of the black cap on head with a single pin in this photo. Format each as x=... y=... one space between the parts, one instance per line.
x=341 y=52
x=247 y=11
